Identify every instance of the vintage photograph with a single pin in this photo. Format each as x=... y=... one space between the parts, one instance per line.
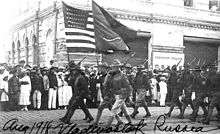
x=110 y=66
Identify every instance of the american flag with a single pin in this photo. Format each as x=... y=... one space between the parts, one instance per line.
x=79 y=29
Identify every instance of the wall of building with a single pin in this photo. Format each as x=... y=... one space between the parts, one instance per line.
x=168 y=22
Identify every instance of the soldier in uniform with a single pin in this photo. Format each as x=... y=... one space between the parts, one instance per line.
x=175 y=101
x=215 y=97
x=141 y=85
x=201 y=88
x=81 y=92
x=107 y=93
x=119 y=84
x=175 y=84
x=187 y=79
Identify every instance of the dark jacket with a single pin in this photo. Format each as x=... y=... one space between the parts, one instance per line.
x=117 y=83
x=81 y=86
x=52 y=80
x=141 y=81
x=37 y=83
x=13 y=85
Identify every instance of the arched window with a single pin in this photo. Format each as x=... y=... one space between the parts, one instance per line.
x=27 y=49
x=13 y=52
x=35 y=49
x=49 y=48
x=18 y=50
x=23 y=44
x=34 y=40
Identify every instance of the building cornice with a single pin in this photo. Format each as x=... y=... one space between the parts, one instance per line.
x=129 y=15
x=34 y=18
x=171 y=20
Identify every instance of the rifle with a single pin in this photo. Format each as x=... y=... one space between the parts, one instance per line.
x=79 y=63
x=192 y=61
x=179 y=62
x=145 y=61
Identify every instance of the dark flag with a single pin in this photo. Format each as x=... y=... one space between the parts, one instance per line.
x=79 y=29
x=110 y=34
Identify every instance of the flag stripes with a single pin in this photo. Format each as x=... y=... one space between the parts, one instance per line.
x=79 y=28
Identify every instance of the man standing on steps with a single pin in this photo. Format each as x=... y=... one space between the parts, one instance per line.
x=81 y=92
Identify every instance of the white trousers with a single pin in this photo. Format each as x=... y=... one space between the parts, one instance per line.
x=61 y=96
x=37 y=99
x=52 y=98
x=162 y=99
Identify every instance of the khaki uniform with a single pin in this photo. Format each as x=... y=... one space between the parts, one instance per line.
x=119 y=84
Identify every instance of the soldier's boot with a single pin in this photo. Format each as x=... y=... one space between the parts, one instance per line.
x=180 y=108
x=134 y=113
x=170 y=111
x=207 y=119
x=194 y=115
x=98 y=116
x=182 y=111
x=119 y=120
x=68 y=115
x=148 y=114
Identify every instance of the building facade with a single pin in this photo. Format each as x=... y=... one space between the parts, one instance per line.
x=168 y=31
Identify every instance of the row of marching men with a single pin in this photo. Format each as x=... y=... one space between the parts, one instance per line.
x=119 y=87
x=198 y=87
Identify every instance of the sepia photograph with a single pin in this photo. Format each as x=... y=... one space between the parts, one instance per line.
x=110 y=66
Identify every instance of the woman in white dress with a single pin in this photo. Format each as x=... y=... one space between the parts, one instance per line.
x=163 y=91
x=61 y=95
x=24 y=99
x=4 y=95
x=153 y=83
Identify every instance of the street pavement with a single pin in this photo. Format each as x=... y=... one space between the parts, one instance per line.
x=34 y=122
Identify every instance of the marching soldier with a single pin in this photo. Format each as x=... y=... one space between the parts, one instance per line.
x=176 y=88
x=141 y=85
x=215 y=99
x=201 y=88
x=175 y=98
x=80 y=93
x=187 y=79
x=106 y=93
x=119 y=84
